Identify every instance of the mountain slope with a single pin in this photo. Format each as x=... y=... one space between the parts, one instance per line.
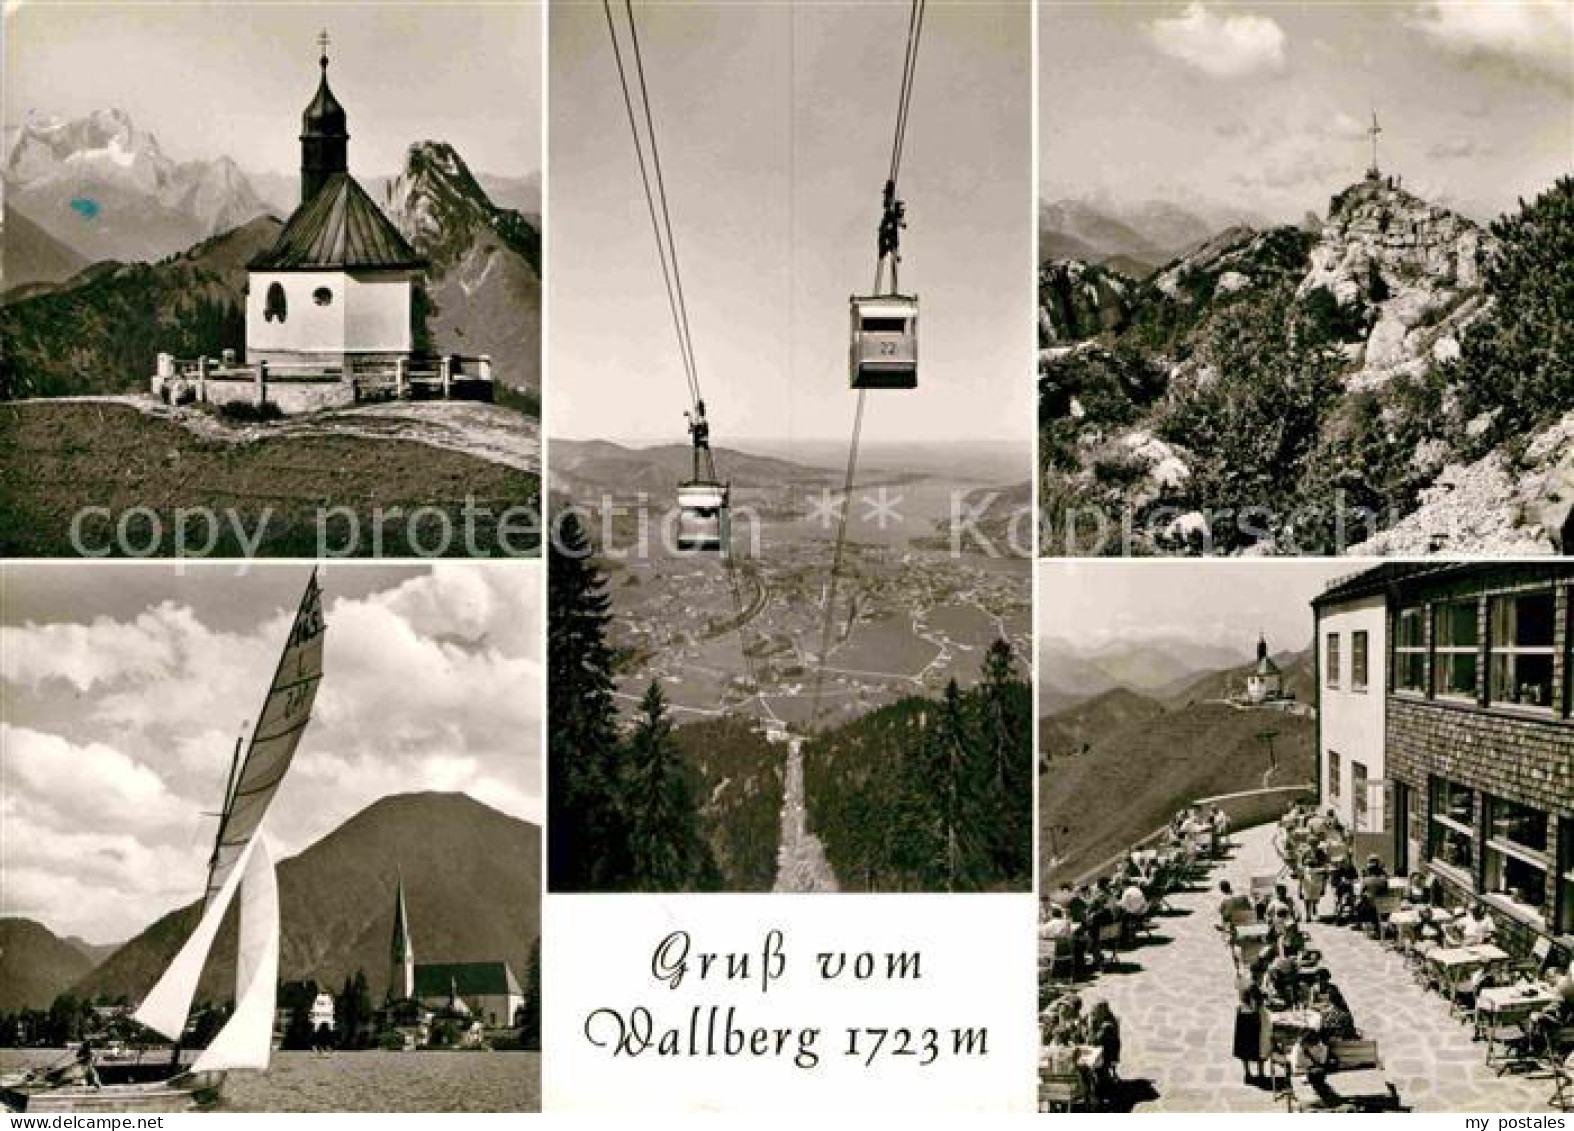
x=102 y=333
x=602 y=464
x=472 y=886
x=483 y=284
x=35 y=965
x=1068 y=731
x=28 y=254
x=1131 y=779
x=1294 y=667
x=106 y=189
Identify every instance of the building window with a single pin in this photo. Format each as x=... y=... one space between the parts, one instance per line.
x=1521 y=643
x=1360 y=801
x=322 y=296
x=1456 y=635
x=1331 y=663
x=1410 y=652
x=1333 y=774
x=274 y=308
x=1565 y=876
x=1358 y=661
x=1516 y=855
x=1452 y=836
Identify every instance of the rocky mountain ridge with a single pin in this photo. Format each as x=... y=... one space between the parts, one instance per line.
x=106 y=189
x=1356 y=326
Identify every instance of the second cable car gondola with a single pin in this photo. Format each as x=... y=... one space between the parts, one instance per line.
x=884 y=349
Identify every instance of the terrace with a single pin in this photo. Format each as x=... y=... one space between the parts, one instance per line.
x=1174 y=993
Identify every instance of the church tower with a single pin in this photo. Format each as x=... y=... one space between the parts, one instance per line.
x=336 y=290
x=325 y=134
x=401 y=952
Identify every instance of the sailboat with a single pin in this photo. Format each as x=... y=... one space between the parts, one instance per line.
x=240 y=867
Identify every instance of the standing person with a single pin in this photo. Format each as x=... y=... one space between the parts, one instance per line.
x=1133 y=908
x=1250 y=1044
x=1221 y=831
x=1314 y=882
x=85 y=1066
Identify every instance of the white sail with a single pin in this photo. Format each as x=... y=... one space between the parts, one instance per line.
x=285 y=712
x=247 y=1037
x=166 y=1005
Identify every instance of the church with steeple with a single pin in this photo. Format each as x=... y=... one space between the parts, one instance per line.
x=468 y=998
x=1265 y=682
x=338 y=285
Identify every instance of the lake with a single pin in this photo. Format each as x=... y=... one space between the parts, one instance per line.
x=367 y=1081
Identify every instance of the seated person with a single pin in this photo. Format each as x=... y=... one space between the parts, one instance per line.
x=1365 y=915
x=1477 y=928
x=1104 y=1031
x=1059 y=1057
x=1233 y=903
x=1133 y=907
x=1284 y=974
x=1279 y=910
x=1338 y=1021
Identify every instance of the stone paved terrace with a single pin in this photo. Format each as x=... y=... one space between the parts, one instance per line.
x=1175 y=999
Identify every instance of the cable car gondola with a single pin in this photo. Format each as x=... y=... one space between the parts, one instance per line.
x=884 y=353
x=703 y=521
x=702 y=516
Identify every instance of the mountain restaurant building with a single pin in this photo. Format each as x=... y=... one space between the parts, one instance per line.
x=1446 y=729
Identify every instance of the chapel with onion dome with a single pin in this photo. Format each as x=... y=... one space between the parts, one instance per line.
x=337 y=287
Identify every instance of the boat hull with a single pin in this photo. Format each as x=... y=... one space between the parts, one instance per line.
x=189 y=1091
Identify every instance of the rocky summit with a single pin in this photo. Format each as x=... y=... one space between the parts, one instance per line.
x=483 y=283
x=1394 y=359
x=1409 y=270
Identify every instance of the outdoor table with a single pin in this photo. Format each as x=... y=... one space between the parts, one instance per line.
x=1299 y=1020
x=1455 y=962
x=1362 y=1086
x=1411 y=916
x=1513 y=1001
x=1487 y=953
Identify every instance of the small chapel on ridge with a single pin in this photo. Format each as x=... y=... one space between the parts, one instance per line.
x=337 y=286
x=331 y=305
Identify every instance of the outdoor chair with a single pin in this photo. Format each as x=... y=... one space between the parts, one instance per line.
x=1512 y=1035
x=1063 y=1093
x=1560 y=1084
x=1535 y=965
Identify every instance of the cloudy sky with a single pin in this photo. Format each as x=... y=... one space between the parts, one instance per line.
x=124 y=688
x=232 y=78
x=774 y=125
x=1263 y=106
x=1095 y=603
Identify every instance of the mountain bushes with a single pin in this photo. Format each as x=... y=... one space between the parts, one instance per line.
x=930 y=795
x=1517 y=362
x=663 y=808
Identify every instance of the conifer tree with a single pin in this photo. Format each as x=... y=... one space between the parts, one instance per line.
x=667 y=847
x=586 y=840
